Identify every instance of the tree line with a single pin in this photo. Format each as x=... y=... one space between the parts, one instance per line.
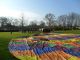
x=64 y=22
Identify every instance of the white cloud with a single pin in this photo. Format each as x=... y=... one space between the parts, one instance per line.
x=4 y=11
x=28 y=15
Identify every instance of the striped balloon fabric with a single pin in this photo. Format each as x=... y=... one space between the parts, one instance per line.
x=47 y=46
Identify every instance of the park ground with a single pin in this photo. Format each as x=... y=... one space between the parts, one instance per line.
x=5 y=38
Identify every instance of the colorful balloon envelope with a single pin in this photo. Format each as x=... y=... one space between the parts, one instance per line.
x=46 y=47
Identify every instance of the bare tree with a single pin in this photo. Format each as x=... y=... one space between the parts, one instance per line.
x=73 y=19
x=70 y=21
x=15 y=22
x=33 y=23
x=62 y=21
x=42 y=24
x=49 y=18
x=3 y=21
x=22 y=22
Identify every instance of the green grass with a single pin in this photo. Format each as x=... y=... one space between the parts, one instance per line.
x=5 y=38
x=69 y=31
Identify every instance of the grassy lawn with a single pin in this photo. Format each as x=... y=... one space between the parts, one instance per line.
x=69 y=31
x=5 y=37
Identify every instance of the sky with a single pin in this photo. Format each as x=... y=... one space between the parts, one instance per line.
x=34 y=9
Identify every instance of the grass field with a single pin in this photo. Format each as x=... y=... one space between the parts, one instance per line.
x=69 y=31
x=5 y=37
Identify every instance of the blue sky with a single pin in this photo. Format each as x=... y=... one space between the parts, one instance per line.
x=38 y=8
